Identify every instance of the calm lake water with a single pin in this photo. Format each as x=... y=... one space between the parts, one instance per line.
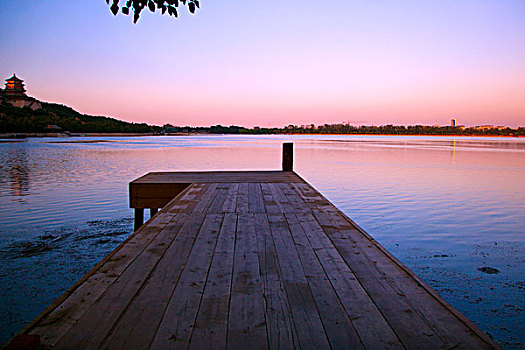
x=446 y=207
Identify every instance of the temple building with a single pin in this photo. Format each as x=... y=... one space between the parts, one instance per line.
x=14 y=86
x=15 y=94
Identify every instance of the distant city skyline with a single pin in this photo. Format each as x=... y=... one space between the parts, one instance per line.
x=274 y=64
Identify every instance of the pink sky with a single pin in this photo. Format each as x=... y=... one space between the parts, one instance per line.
x=277 y=63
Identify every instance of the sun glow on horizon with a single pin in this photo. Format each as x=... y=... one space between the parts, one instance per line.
x=249 y=64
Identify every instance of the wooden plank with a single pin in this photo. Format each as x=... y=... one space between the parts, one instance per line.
x=313 y=198
x=393 y=304
x=212 y=320
x=219 y=197
x=218 y=176
x=187 y=200
x=255 y=198
x=230 y=203
x=451 y=330
x=94 y=325
x=281 y=331
x=294 y=198
x=75 y=302
x=283 y=203
x=154 y=190
x=374 y=331
x=179 y=317
x=304 y=311
x=204 y=201
x=270 y=205
x=242 y=199
x=153 y=195
x=338 y=327
x=247 y=322
x=138 y=324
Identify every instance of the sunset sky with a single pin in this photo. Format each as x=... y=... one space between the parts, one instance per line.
x=274 y=63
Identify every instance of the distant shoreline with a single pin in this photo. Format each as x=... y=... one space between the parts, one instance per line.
x=436 y=135
x=22 y=135
x=12 y=136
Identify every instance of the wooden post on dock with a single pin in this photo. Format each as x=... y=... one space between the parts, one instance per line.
x=288 y=156
x=139 y=218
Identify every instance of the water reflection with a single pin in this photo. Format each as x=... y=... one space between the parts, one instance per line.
x=15 y=172
x=19 y=176
x=453 y=151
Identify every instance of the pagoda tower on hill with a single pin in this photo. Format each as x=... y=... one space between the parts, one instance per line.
x=15 y=94
x=14 y=86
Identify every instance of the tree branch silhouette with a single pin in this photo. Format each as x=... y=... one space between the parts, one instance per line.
x=163 y=6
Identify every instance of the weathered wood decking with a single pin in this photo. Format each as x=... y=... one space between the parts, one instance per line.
x=250 y=260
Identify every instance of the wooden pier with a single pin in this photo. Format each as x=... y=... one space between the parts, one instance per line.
x=248 y=260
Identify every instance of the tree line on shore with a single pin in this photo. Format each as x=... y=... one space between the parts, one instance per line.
x=349 y=129
x=54 y=117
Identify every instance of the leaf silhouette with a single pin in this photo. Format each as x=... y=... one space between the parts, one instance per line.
x=162 y=5
x=114 y=9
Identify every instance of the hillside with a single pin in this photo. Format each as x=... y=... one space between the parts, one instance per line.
x=21 y=120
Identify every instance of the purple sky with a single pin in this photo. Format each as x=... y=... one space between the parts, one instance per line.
x=275 y=62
